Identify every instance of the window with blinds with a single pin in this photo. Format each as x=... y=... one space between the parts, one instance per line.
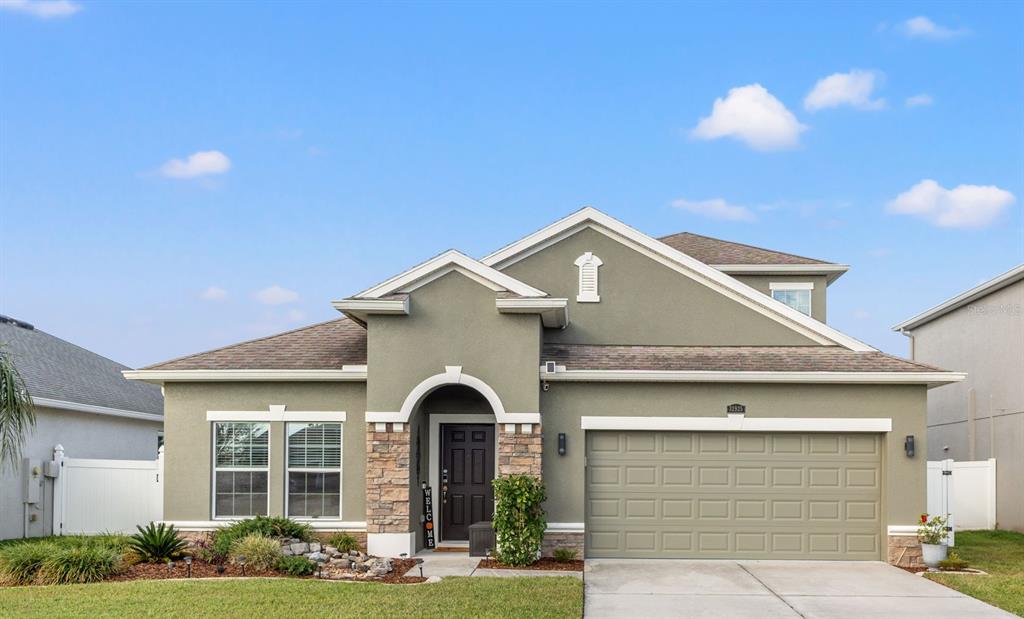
x=314 y=470
x=588 y=265
x=241 y=464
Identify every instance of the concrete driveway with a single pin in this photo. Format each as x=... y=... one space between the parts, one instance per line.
x=770 y=590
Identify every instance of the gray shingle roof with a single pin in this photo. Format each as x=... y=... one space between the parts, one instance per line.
x=325 y=346
x=727 y=359
x=56 y=369
x=716 y=251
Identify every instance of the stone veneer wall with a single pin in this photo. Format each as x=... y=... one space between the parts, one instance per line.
x=562 y=539
x=519 y=449
x=904 y=551
x=387 y=478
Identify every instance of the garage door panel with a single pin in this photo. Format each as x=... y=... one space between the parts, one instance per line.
x=680 y=494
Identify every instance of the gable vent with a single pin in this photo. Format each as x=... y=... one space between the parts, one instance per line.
x=588 y=265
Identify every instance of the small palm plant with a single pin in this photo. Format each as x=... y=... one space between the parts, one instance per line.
x=16 y=414
x=157 y=543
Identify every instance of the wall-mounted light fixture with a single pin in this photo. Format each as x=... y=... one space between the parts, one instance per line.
x=908 y=445
x=561 y=443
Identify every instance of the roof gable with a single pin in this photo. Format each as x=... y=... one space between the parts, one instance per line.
x=982 y=290
x=680 y=262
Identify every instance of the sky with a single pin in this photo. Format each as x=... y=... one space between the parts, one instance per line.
x=180 y=176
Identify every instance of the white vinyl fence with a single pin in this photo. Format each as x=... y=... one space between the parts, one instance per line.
x=99 y=496
x=963 y=491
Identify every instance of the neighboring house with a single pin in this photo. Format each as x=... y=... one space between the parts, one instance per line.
x=673 y=407
x=980 y=332
x=83 y=403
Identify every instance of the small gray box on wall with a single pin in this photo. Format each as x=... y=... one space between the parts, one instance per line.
x=481 y=538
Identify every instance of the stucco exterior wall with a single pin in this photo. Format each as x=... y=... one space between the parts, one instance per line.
x=903 y=492
x=982 y=416
x=643 y=301
x=819 y=295
x=188 y=440
x=453 y=321
x=83 y=435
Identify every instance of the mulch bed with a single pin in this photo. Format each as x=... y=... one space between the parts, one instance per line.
x=913 y=570
x=202 y=569
x=544 y=564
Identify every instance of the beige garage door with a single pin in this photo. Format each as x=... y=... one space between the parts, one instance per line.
x=733 y=495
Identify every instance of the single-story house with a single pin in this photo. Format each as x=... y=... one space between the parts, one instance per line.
x=680 y=397
x=981 y=332
x=83 y=403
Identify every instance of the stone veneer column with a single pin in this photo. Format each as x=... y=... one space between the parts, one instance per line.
x=388 y=447
x=904 y=551
x=519 y=449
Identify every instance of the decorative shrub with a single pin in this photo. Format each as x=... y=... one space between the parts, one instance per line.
x=343 y=542
x=20 y=561
x=157 y=543
x=79 y=564
x=953 y=562
x=519 y=521
x=295 y=566
x=273 y=526
x=565 y=555
x=260 y=552
x=932 y=530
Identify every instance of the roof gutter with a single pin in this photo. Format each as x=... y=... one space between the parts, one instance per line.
x=353 y=373
x=931 y=379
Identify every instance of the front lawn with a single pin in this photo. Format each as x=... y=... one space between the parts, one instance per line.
x=1001 y=554
x=281 y=597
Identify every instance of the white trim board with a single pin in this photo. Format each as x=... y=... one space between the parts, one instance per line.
x=397 y=307
x=451 y=258
x=277 y=415
x=318 y=524
x=554 y=313
x=678 y=261
x=902 y=529
x=347 y=373
x=565 y=527
x=739 y=423
x=97 y=410
x=932 y=379
x=791 y=286
x=996 y=283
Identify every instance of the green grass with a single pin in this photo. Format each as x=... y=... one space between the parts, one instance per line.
x=547 y=596
x=1001 y=554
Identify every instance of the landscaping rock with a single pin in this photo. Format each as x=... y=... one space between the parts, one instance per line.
x=331 y=550
x=287 y=551
x=378 y=566
x=314 y=547
x=300 y=548
x=319 y=557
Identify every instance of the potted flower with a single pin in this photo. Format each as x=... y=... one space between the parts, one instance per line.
x=932 y=534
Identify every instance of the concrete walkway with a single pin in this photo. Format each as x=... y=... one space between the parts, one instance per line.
x=441 y=564
x=770 y=590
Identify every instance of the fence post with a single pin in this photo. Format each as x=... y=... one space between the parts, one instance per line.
x=990 y=509
x=58 y=491
x=948 y=500
x=159 y=488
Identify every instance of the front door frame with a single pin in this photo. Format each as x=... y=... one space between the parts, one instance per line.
x=436 y=419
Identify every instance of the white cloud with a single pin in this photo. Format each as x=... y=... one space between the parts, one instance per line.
x=716 y=208
x=919 y=100
x=295 y=315
x=751 y=115
x=276 y=295
x=853 y=89
x=214 y=293
x=197 y=164
x=965 y=206
x=43 y=9
x=921 y=27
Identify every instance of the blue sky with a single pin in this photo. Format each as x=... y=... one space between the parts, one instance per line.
x=340 y=144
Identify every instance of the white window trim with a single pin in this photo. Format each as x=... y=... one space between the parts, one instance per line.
x=213 y=469
x=340 y=471
x=277 y=412
x=588 y=296
x=795 y=286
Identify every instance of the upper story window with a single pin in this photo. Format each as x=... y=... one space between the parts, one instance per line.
x=794 y=294
x=588 y=264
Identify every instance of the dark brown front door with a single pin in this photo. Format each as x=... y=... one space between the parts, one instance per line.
x=467 y=468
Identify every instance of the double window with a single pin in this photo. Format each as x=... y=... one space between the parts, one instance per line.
x=241 y=467
x=314 y=470
x=794 y=294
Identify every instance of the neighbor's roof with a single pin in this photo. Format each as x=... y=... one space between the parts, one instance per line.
x=727 y=359
x=716 y=251
x=327 y=345
x=1012 y=276
x=55 y=369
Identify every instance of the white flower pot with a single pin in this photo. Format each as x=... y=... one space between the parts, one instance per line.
x=933 y=553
